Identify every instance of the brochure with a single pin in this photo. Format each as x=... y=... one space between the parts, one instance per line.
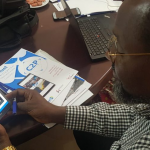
x=28 y=70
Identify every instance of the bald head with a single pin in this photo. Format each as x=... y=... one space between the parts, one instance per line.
x=134 y=22
x=144 y=30
x=132 y=29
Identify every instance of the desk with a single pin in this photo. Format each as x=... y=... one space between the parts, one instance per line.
x=60 y=41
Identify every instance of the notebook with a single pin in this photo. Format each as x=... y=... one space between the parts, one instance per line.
x=94 y=30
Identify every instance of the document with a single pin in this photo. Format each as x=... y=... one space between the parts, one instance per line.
x=81 y=99
x=114 y=3
x=78 y=81
x=28 y=70
x=77 y=93
x=62 y=96
x=56 y=82
x=91 y=6
x=36 y=83
x=58 y=6
x=73 y=92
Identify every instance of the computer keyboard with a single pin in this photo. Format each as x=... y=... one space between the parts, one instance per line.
x=94 y=38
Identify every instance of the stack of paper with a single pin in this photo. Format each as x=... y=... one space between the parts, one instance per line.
x=74 y=93
x=91 y=6
x=56 y=82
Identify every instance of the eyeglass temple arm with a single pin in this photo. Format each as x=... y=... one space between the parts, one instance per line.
x=140 y=54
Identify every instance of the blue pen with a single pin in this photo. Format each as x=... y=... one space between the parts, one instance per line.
x=14 y=106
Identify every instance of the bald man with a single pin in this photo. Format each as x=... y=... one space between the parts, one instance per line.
x=129 y=120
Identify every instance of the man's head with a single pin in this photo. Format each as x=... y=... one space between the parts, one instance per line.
x=132 y=73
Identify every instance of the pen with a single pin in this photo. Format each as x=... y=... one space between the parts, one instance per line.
x=14 y=106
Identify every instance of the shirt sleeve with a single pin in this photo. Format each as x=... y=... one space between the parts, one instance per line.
x=100 y=118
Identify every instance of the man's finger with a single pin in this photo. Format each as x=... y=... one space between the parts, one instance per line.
x=2 y=130
x=19 y=112
x=23 y=106
x=19 y=94
x=12 y=94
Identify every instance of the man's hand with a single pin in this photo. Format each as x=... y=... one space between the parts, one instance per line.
x=31 y=102
x=4 y=139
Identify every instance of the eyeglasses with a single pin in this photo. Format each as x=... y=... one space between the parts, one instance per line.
x=113 y=50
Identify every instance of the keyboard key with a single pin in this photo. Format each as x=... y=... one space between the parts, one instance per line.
x=102 y=52
x=94 y=54
x=105 y=49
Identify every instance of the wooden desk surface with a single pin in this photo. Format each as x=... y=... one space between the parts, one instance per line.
x=60 y=41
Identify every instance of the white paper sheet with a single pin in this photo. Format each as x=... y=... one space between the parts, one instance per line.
x=58 y=6
x=81 y=99
x=60 y=99
x=91 y=6
x=58 y=74
x=80 y=91
x=53 y=1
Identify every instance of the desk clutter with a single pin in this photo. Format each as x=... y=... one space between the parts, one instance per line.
x=95 y=28
x=57 y=83
x=90 y=6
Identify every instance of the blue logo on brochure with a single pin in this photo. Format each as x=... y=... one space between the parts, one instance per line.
x=32 y=65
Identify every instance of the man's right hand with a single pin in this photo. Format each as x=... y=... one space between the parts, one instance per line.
x=32 y=103
x=4 y=139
